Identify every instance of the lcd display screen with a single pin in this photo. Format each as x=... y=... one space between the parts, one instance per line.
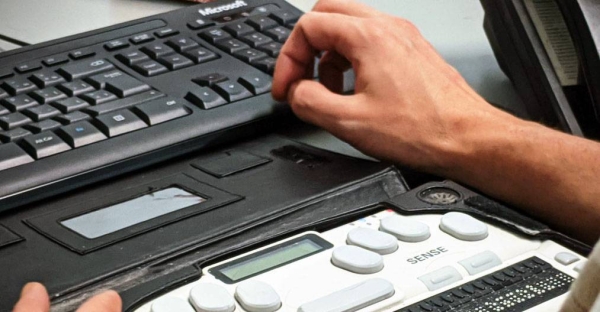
x=125 y=214
x=271 y=258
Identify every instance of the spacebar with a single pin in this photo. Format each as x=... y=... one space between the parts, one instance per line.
x=123 y=103
x=353 y=298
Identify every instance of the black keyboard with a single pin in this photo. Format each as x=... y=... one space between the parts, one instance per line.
x=84 y=108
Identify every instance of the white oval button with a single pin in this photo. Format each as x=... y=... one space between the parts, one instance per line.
x=463 y=226
x=373 y=240
x=405 y=229
x=211 y=298
x=169 y=304
x=357 y=260
x=255 y=296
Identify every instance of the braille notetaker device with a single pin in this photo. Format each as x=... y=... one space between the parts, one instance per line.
x=426 y=250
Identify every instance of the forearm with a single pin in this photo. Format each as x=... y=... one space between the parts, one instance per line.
x=551 y=175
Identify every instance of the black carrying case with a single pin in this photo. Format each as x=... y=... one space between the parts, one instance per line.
x=257 y=190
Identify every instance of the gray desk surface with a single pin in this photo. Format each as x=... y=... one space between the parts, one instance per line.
x=454 y=27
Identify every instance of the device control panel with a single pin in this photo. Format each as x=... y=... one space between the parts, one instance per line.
x=388 y=262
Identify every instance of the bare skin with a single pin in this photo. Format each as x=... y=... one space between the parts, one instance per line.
x=412 y=108
x=34 y=298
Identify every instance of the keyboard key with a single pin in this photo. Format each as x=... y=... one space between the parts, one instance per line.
x=156 y=50
x=13 y=120
x=3 y=110
x=232 y=45
x=46 y=79
x=256 y=39
x=44 y=144
x=98 y=97
x=5 y=73
x=55 y=60
x=254 y=295
x=204 y=297
x=176 y=61
x=41 y=112
x=266 y=64
x=257 y=84
x=232 y=91
x=70 y=118
x=43 y=125
x=167 y=32
x=119 y=122
x=238 y=29
x=131 y=58
x=150 y=68
x=11 y=156
x=250 y=55
x=352 y=298
x=141 y=38
x=116 y=45
x=48 y=95
x=284 y=17
x=123 y=103
x=80 y=134
x=118 y=83
x=210 y=79
x=87 y=68
x=18 y=85
x=201 y=55
x=161 y=110
x=76 y=88
x=3 y=94
x=181 y=44
x=27 y=67
x=13 y=135
x=199 y=23
x=279 y=33
x=70 y=104
x=81 y=53
x=19 y=102
x=205 y=98
x=261 y=23
x=215 y=34
x=272 y=49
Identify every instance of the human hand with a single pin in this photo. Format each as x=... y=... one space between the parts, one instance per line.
x=409 y=105
x=34 y=298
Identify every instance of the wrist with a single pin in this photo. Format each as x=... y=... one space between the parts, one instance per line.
x=480 y=138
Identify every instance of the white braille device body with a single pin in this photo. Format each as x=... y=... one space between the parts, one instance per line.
x=383 y=262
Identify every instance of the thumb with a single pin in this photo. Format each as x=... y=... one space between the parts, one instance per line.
x=108 y=301
x=34 y=298
x=313 y=102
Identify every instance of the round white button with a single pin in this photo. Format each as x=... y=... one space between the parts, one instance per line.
x=373 y=240
x=566 y=258
x=207 y=297
x=405 y=229
x=463 y=226
x=255 y=296
x=168 y=304
x=357 y=260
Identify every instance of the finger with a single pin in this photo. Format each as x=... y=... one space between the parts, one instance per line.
x=314 y=103
x=346 y=7
x=108 y=301
x=316 y=32
x=331 y=71
x=34 y=298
